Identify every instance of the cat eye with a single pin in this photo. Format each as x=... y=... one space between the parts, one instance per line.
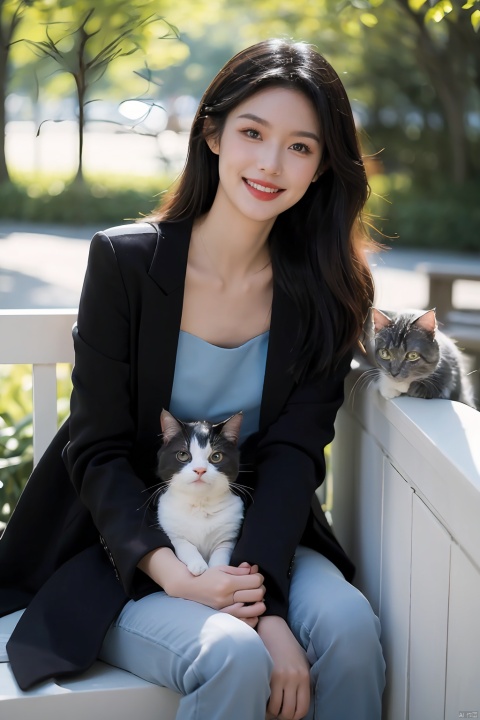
x=384 y=354
x=183 y=456
x=412 y=355
x=216 y=457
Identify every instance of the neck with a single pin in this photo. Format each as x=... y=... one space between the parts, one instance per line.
x=231 y=250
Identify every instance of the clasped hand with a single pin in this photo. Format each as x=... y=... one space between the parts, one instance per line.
x=238 y=591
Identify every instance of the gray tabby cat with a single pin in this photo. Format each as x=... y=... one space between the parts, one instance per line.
x=199 y=464
x=415 y=358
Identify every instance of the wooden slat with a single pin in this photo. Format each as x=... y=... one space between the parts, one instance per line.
x=428 y=614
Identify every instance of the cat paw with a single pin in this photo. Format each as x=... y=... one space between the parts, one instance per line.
x=390 y=393
x=197 y=567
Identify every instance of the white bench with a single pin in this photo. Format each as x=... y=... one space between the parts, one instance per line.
x=43 y=338
x=406 y=506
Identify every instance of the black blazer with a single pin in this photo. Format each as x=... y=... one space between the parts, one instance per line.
x=71 y=549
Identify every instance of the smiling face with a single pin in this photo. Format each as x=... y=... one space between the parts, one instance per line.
x=269 y=152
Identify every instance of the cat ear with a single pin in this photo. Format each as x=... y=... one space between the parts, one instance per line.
x=427 y=321
x=379 y=319
x=170 y=426
x=231 y=427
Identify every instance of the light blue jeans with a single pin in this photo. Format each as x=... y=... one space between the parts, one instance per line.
x=222 y=668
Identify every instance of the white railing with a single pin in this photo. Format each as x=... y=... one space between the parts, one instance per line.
x=406 y=506
x=44 y=338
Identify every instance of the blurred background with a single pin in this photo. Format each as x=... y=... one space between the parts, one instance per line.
x=96 y=101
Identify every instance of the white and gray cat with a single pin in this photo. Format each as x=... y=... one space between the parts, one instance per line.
x=198 y=510
x=415 y=358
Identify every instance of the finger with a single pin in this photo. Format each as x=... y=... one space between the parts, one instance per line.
x=276 y=698
x=252 y=622
x=247 y=596
x=232 y=570
x=289 y=702
x=253 y=568
x=296 y=701
x=250 y=582
x=303 y=701
x=242 y=611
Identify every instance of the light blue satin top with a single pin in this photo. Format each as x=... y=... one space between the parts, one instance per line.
x=212 y=383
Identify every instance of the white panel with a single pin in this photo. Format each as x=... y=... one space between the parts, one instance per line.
x=36 y=336
x=368 y=518
x=395 y=590
x=428 y=614
x=44 y=408
x=463 y=658
x=344 y=472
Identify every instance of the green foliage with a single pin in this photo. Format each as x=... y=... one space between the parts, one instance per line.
x=16 y=429
x=16 y=454
x=443 y=217
x=91 y=203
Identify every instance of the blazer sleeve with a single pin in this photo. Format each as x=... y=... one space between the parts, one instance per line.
x=290 y=467
x=102 y=423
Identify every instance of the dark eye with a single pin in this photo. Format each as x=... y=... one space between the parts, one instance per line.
x=183 y=456
x=412 y=355
x=216 y=457
x=300 y=147
x=384 y=354
x=251 y=133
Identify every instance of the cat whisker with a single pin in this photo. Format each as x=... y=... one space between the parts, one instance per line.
x=242 y=491
x=364 y=380
x=163 y=483
x=153 y=497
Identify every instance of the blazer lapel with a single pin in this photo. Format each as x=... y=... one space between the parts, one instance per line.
x=280 y=356
x=160 y=318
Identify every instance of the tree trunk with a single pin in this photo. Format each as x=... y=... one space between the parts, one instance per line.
x=81 y=129
x=449 y=85
x=454 y=113
x=4 y=176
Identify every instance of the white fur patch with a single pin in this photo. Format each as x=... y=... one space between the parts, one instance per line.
x=390 y=388
x=202 y=519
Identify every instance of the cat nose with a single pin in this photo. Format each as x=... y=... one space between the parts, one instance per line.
x=200 y=471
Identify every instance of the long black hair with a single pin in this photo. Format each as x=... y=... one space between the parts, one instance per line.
x=318 y=245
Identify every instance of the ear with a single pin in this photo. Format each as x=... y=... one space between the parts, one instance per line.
x=170 y=426
x=427 y=321
x=231 y=428
x=213 y=144
x=211 y=136
x=379 y=319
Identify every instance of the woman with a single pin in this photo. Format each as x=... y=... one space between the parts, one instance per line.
x=260 y=242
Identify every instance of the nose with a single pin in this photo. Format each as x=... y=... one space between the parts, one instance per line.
x=200 y=471
x=269 y=161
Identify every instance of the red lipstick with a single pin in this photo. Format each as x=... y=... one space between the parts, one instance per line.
x=262 y=190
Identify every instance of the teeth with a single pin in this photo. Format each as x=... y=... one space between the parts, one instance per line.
x=261 y=187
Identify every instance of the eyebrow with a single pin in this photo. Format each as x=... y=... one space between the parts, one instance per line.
x=265 y=123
